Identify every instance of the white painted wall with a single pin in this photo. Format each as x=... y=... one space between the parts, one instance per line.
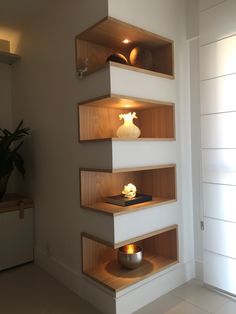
x=5 y=106
x=5 y=99
x=46 y=91
x=192 y=19
x=193 y=7
x=196 y=154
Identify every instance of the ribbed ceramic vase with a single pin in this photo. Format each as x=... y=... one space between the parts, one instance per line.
x=128 y=129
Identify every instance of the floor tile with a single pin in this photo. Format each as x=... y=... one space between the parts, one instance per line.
x=170 y=304
x=29 y=290
x=187 y=290
x=207 y=300
x=186 y=308
x=227 y=308
x=193 y=292
x=161 y=305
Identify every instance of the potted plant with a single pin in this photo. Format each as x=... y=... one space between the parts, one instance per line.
x=9 y=156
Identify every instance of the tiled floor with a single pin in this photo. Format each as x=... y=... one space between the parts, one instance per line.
x=29 y=290
x=191 y=298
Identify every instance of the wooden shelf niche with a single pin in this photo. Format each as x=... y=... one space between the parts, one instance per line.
x=99 y=118
x=100 y=263
x=8 y=58
x=97 y=43
x=158 y=181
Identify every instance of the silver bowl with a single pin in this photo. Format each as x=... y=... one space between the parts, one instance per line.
x=130 y=256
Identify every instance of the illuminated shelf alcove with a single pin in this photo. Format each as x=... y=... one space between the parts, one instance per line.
x=98 y=42
x=96 y=185
x=99 y=118
x=160 y=249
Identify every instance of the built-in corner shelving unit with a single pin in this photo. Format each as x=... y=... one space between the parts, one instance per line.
x=107 y=37
x=8 y=58
x=100 y=263
x=98 y=121
x=97 y=184
x=99 y=118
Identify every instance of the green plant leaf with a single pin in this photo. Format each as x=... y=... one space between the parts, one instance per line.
x=19 y=163
x=6 y=167
x=9 y=156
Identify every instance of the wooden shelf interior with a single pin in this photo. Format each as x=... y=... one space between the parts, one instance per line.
x=96 y=185
x=8 y=58
x=105 y=38
x=100 y=261
x=99 y=118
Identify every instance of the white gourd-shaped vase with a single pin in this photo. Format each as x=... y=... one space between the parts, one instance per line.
x=128 y=129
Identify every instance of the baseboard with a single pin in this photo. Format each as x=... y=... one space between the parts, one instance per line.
x=133 y=299
x=152 y=290
x=57 y=269
x=139 y=295
x=199 y=270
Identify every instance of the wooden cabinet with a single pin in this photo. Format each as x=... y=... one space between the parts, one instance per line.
x=16 y=231
x=108 y=36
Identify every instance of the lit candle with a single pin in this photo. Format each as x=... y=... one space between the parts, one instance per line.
x=130 y=256
x=130 y=249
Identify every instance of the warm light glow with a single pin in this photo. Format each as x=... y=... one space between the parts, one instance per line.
x=130 y=249
x=126 y=103
x=126 y=41
x=129 y=190
x=11 y=35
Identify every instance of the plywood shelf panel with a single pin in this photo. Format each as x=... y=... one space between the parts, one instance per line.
x=99 y=118
x=100 y=260
x=140 y=70
x=115 y=210
x=140 y=139
x=114 y=277
x=97 y=185
x=118 y=170
x=106 y=37
x=8 y=58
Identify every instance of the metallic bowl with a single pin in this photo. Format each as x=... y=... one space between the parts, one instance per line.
x=130 y=260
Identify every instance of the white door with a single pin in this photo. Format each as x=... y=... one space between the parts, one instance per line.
x=218 y=141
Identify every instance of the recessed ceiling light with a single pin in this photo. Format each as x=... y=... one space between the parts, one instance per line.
x=126 y=41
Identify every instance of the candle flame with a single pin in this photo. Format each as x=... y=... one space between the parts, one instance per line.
x=130 y=249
